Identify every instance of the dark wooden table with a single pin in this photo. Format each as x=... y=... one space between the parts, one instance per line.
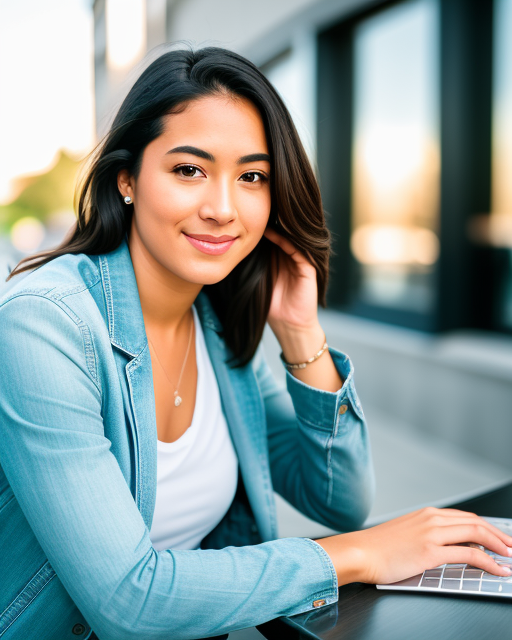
x=366 y=613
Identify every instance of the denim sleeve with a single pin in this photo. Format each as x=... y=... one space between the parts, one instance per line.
x=70 y=487
x=319 y=448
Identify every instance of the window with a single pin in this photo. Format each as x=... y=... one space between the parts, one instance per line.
x=404 y=156
x=293 y=75
x=396 y=157
x=499 y=230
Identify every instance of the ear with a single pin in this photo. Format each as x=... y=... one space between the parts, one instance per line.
x=125 y=183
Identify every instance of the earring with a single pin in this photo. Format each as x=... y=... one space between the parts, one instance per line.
x=128 y=199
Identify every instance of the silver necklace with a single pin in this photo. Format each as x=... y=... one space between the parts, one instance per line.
x=177 y=397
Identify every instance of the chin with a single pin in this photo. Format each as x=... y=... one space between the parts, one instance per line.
x=207 y=275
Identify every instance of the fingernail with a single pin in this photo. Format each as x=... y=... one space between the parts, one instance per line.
x=507 y=570
x=509 y=549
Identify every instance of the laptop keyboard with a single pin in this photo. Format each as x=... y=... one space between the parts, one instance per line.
x=463 y=578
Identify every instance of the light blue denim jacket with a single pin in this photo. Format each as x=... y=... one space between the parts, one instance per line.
x=78 y=472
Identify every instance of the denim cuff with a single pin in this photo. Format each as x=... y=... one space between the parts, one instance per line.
x=329 y=593
x=319 y=407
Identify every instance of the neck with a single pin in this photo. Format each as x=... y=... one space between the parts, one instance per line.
x=165 y=299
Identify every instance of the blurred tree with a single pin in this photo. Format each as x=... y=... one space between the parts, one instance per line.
x=44 y=194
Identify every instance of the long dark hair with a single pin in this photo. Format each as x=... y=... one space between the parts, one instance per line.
x=242 y=299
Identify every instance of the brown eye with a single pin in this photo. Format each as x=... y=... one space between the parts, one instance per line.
x=187 y=170
x=253 y=176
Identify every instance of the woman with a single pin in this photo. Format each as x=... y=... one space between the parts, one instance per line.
x=142 y=432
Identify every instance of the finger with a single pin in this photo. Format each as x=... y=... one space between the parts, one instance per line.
x=505 y=538
x=472 y=533
x=474 y=558
x=274 y=266
x=455 y=516
x=457 y=512
x=432 y=511
x=284 y=244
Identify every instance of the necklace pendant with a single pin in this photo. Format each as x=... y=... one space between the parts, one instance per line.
x=177 y=401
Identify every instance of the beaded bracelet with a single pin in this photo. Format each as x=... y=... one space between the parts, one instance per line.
x=303 y=365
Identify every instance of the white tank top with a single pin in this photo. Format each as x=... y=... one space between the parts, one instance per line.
x=196 y=475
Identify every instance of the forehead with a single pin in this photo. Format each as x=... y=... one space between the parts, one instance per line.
x=230 y=122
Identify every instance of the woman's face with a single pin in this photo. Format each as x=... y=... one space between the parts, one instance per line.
x=202 y=197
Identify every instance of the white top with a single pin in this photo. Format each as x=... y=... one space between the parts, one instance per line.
x=196 y=475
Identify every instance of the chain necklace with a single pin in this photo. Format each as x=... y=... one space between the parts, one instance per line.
x=177 y=397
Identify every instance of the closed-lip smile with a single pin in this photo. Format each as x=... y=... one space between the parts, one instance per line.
x=212 y=245
x=207 y=238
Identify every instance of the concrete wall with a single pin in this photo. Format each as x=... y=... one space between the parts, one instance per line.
x=456 y=387
x=228 y=23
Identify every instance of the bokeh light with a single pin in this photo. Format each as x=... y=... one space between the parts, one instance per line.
x=27 y=234
x=126 y=32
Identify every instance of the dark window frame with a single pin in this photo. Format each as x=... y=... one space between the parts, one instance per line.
x=464 y=272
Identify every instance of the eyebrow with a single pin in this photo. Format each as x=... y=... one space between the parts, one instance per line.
x=200 y=153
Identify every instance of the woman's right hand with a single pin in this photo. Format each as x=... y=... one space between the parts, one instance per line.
x=410 y=544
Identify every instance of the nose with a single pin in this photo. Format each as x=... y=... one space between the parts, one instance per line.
x=219 y=204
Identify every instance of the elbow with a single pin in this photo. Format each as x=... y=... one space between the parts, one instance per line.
x=362 y=502
x=116 y=621
x=360 y=510
x=136 y=607
x=119 y=622
x=350 y=511
x=360 y=497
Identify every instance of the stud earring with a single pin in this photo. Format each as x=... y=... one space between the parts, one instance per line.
x=128 y=200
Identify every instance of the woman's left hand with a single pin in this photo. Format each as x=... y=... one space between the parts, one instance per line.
x=294 y=303
x=293 y=315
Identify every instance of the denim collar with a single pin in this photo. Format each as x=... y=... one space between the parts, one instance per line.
x=124 y=312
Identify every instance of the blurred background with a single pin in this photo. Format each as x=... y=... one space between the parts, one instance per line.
x=405 y=109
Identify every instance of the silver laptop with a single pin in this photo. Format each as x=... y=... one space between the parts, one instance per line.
x=462 y=578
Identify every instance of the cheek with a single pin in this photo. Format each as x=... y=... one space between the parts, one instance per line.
x=254 y=214
x=160 y=200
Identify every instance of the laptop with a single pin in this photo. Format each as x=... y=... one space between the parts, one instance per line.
x=462 y=578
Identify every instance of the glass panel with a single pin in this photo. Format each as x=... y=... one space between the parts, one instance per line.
x=293 y=75
x=126 y=32
x=499 y=233
x=396 y=156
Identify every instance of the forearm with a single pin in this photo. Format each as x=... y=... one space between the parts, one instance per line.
x=217 y=591
x=319 y=449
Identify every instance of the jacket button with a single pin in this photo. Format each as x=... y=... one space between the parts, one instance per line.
x=318 y=603
x=343 y=409
x=78 y=629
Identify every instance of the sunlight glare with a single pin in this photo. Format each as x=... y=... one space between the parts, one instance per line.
x=375 y=244
x=393 y=155
x=126 y=32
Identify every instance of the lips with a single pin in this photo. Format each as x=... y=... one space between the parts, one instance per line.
x=212 y=245
x=207 y=238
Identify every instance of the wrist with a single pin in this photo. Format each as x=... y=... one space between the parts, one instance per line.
x=300 y=344
x=347 y=557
